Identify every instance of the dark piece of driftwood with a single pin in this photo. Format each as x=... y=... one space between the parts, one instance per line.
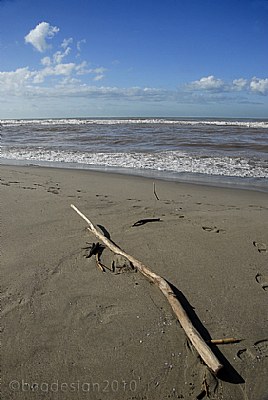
x=94 y=249
x=145 y=221
x=198 y=342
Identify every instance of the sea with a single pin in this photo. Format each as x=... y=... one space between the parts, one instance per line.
x=221 y=152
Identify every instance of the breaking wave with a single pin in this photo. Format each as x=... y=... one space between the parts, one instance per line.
x=169 y=161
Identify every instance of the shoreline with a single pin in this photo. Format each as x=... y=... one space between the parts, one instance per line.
x=67 y=322
x=230 y=182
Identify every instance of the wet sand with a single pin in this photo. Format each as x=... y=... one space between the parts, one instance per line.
x=70 y=331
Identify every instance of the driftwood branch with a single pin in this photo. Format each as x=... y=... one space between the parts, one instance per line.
x=198 y=342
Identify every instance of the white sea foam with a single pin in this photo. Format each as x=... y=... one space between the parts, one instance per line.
x=163 y=121
x=169 y=161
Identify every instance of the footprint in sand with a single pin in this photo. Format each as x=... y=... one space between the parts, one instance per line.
x=261 y=247
x=53 y=189
x=212 y=229
x=262 y=280
x=38 y=184
x=107 y=313
x=258 y=351
x=261 y=347
x=104 y=314
x=245 y=355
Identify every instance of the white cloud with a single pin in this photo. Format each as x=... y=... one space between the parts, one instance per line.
x=37 y=37
x=98 y=77
x=15 y=81
x=259 y=85
x=240 y=84
x=99 y=73
x=56 y=70
x=60 y=55
x=207 y=83
x=66 y=43
x=64 y=69
x=79 y=43
x=82 y=69
x=57 y=57
x=214 y=85
x=46 y=61
x=99 y=70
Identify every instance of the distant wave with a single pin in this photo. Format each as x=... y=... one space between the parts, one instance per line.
x=167 y=121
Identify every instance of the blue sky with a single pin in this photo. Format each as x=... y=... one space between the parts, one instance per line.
x=83 y=58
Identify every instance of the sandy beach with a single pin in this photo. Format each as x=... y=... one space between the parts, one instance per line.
x=70 y=331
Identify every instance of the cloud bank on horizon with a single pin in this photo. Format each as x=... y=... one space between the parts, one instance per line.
x=61 y=74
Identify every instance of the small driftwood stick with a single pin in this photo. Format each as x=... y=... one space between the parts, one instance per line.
x=225 y=341
x=99 y=263
x=157 y=198
x=197 y=341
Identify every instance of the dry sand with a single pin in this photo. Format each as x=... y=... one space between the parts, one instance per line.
x=73 y=332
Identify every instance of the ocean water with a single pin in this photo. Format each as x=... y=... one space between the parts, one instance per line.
x=212 y=151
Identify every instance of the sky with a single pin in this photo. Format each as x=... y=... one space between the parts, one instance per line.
x=127 y=58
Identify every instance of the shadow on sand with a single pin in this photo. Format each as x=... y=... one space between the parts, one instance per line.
x=228 y=373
